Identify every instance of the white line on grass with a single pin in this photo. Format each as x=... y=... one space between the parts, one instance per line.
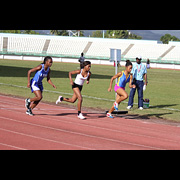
x=90 y=97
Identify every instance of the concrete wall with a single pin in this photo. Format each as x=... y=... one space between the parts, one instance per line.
x=93 y=61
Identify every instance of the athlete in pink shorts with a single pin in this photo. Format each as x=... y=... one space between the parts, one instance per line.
x=123 y=78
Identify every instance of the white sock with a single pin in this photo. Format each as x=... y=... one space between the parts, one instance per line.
x=116 y=104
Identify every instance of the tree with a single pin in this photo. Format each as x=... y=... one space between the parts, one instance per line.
x=121 y=34
x=29 y=32
x=134 y=36
x=167 y=37
x=19 y=31
x=11 y=31
x=97 y=34
x=54 y=32
x=81 y=33
x=65 y=32
x=62 y=33
x=174 y=38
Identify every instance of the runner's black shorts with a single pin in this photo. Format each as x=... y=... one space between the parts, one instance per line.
x=77 y=86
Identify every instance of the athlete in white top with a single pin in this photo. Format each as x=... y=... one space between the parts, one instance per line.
x=80 y=78
x=82 y=75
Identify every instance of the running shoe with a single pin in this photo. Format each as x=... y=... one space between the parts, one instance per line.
x=59 y=100
x=29 y=112
x=129 y=107
x=27 y=103
x=80 y=116
x=109 y=115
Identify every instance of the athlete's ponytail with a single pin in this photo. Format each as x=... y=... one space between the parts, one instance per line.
x=128 y=63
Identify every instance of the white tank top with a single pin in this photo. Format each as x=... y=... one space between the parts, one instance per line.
x=80 y=79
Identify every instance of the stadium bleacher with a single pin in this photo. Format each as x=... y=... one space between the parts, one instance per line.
x=102 y=49
x=94 y=48
x=69 y=47
x=25 y=44
x=152 y=51
x=173 y=55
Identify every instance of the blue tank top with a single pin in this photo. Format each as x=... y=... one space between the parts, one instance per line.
x=122 y=80
x=40 y=75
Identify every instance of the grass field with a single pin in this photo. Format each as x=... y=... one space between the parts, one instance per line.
x=162 y=90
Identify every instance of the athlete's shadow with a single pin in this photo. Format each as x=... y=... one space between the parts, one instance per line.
x=95 y=115
x=87 y=115
x=145 y=116
x=10 y=71
x=61 y=114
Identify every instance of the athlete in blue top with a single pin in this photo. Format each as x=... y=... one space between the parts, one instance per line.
x=36 y=85
x=122 y=81
x=124 y=78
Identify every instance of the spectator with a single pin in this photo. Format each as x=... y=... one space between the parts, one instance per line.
x=81 y=60
x=139 y=72
x=148 y=64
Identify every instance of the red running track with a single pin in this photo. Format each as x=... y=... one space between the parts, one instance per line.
x=55 y=127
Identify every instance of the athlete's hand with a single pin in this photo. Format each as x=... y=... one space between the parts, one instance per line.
x=54 y=86
x=134 y=86
x=87 y=82
x=72 y=83
x=110 y=89
x=28 y=85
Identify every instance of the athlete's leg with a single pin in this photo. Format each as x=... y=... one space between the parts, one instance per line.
x=71 y=100
x=36 y=99
x=79 y=97
x=121 y=96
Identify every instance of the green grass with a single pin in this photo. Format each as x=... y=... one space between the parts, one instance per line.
x=162 y=89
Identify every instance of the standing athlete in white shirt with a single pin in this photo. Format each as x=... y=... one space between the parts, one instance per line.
x=77 y=85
